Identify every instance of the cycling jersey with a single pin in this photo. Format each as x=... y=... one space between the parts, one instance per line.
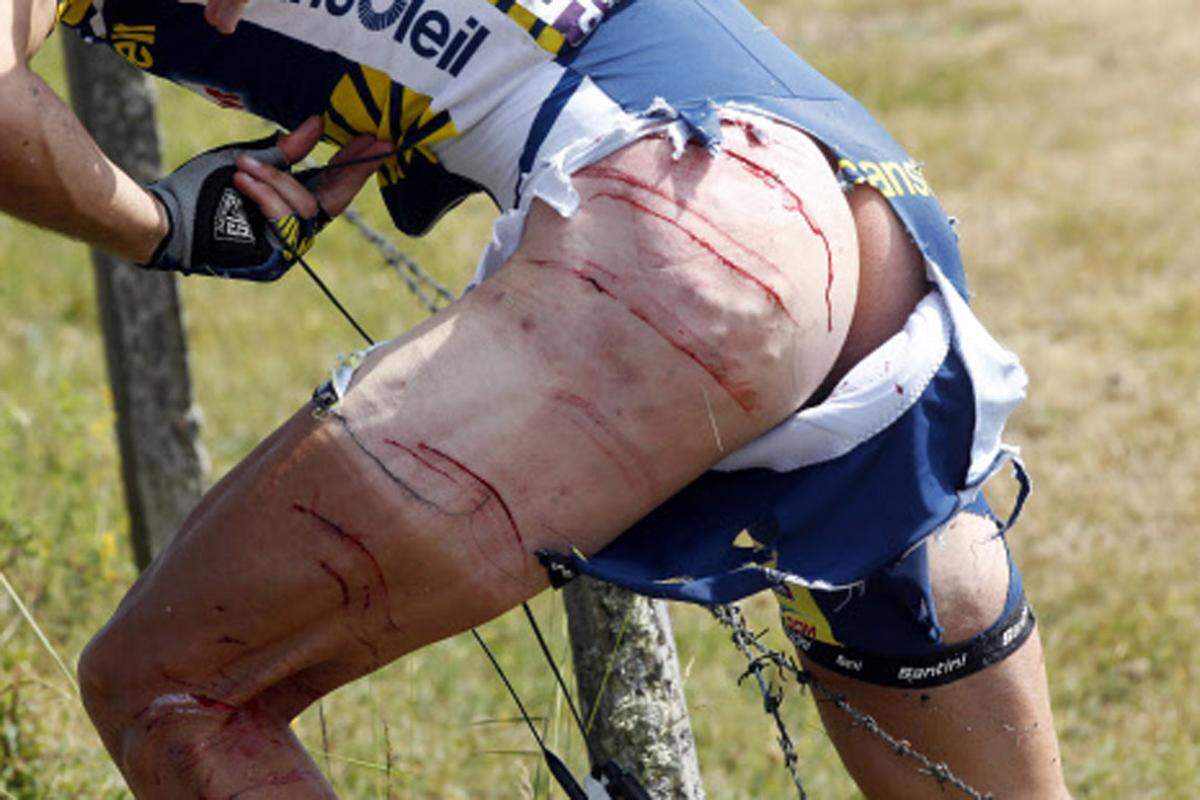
x=511 y=97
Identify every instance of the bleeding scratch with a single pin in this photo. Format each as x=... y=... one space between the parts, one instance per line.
x=773 y=180
x=620 y=176
x=378 y=462
x=608 y=435
x=340 y=533
x=419 y=458
x=711 y=361
x=341 y=582
x=482 y=481
x=704 y=244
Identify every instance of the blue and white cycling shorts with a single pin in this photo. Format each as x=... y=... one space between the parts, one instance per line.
x=832 y=511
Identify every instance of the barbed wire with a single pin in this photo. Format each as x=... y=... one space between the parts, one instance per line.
x=418 y=281
x=759 y=657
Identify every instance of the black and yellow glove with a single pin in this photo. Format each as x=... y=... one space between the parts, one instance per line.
x=216 y=230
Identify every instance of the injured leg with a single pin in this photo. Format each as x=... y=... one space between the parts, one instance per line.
x=993 y=728
x=611 y=361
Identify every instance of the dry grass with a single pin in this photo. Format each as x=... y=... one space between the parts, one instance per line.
x=1063 y=134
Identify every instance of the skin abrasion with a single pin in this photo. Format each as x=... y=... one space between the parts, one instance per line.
x=796 y=204
x=704 y=244
x=611 y=173
x=616 y=447
x=378 y=462
x=341 y=582
x=419 y=458
x=481 y=481
x=667 y=324
x=235 y=731
x=449 y=469
x=356 y=544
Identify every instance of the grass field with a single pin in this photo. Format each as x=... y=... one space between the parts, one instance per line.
x=1064 y=135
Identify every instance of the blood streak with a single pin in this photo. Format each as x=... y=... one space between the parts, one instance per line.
x=341 y=582
x=482 y=481
x=338 y=532
x=705 y=244
x=620 y=176
x=230 y=640
x=743 y=395
x=418 y=457
x=773 y=180
x=608 y=273
x=754 y=134
x=578 y=273
x=711 y=362
x=589 y=412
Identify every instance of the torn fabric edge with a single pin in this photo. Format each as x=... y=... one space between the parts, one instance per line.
x=996 y=373
x=734 y=584
x=878 y=389
x=327 y=396
x=551 y=178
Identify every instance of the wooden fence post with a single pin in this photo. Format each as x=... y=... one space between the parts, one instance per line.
x=624 y=654
x=162 y=462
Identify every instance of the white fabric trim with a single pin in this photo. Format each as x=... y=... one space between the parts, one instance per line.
x=873 y=395
x=997 y=378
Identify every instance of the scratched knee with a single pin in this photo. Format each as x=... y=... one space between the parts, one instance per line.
x=969 y=573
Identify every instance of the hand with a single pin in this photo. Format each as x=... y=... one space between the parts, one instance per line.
x=224 y=14
x=278 y=193
x=215 y=231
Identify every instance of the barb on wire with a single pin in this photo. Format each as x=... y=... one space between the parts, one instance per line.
x=759 y=656
x=751 y=647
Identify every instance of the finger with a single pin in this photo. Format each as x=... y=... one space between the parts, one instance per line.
x=349 y=152
x=224 y=14
x=273 y=206
x=300 y=142
x=288 y=188
x=339 y=186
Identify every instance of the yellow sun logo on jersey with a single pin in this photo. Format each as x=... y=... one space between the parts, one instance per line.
x=367 y=101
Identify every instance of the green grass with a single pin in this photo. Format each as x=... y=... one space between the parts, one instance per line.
x=1062 y=135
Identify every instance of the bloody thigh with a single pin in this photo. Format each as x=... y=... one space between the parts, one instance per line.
x=687 y=307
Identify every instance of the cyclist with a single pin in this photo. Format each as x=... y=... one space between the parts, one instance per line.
x=719 y=343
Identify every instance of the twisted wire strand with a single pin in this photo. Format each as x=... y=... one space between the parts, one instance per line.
x=759 y=656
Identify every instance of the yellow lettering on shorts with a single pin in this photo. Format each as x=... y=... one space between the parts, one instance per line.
x=802 y=615
x=890 y=178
